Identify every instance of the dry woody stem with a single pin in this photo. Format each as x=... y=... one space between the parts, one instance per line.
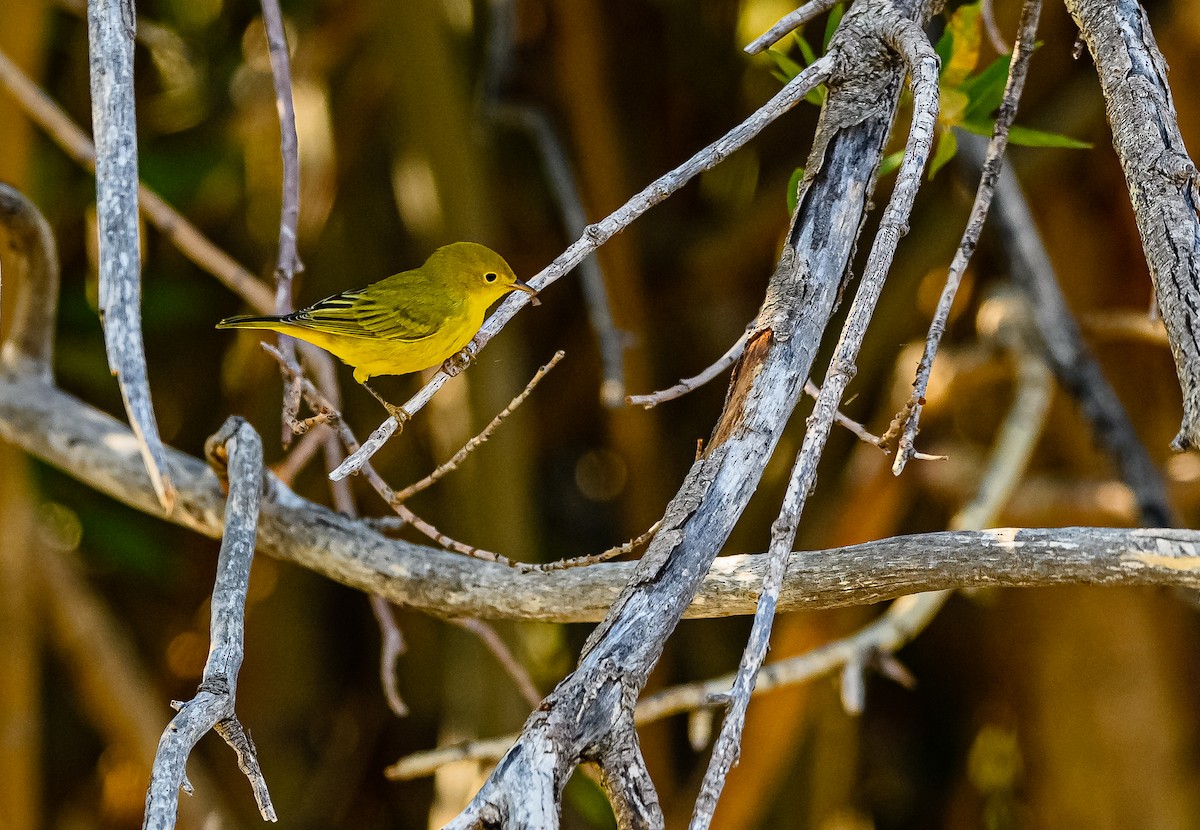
x=1162 y=179
x=110 y=51
x=910 y=417
x=235 y=454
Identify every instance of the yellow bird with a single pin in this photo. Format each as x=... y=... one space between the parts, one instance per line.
x=404 y=323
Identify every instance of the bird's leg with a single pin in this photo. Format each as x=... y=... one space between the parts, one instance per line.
x=396 y=412
x=459 y=360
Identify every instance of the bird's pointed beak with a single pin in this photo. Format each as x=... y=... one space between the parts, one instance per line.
x=521 y=285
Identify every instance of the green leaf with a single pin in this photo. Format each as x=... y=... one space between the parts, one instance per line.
x=1027 y=137
x=805 y=49
x=831 y=24
x=793 y=189
x=945 y=46
x=985 y=91
x=788 y=68
x=891 y=163
x=947 y=146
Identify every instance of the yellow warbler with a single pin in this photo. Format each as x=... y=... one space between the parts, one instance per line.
x=406 y=322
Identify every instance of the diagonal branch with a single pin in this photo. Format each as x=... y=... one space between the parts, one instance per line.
x=910 y=43
x=236 y=454
x=909 y=419
x=1164 y=186
x=110 y=48
x=170 y=223
x=596 y=235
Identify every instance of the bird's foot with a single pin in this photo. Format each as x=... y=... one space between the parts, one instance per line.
x=459 y=361
x=398 y=412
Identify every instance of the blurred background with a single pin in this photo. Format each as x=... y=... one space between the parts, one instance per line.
x=1069 y=707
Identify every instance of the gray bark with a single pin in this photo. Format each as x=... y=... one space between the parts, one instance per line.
x=1162 y=180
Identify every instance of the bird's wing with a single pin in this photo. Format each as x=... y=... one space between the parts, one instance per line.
x=364 y=312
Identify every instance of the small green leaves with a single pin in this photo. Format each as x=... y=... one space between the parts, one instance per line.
x=1028 y=137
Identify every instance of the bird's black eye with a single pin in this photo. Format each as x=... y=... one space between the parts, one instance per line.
x=490 y=276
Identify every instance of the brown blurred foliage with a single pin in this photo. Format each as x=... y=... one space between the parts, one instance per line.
x=1063 y=708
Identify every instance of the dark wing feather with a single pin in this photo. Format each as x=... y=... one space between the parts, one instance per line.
x=389 y=309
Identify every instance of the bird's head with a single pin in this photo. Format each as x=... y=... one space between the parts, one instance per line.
x=481 y=272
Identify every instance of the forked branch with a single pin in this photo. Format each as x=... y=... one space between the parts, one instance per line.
x=235 y=453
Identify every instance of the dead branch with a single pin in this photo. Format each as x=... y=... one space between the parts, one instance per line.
x=921 y=63
x=1164 y=187
x=110 y=49
x=1017 y=70
x=236 y=455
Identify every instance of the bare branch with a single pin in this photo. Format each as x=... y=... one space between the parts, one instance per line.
x=858 y=430
x=1163 y=182
x=789 y=23
x=721 y=364
x=170 y=223
x=1017 y=69
x=596 y=235
x=390 y=651
x=455 y=460
x=909 y=41
x=29 y=346
x=287 y=262
x=110 y=48
x=236 y=454
x=100 y=451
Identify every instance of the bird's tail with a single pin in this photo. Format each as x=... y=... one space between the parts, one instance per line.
x=252 y=321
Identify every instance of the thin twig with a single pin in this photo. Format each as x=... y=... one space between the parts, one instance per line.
x=504 y=656
x=110 y=51
x=298 y=457
x=287 y=262
x=790 y=22
x=909 y=41
x=317 y=400
x=170 y=223
x=1017 y=70
x=455 y=460
x=236 y=455
x=391 y=649
x=987 y=13
x=597 y=234
x=858 y=430
x=592 y=558
x=720 y=365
